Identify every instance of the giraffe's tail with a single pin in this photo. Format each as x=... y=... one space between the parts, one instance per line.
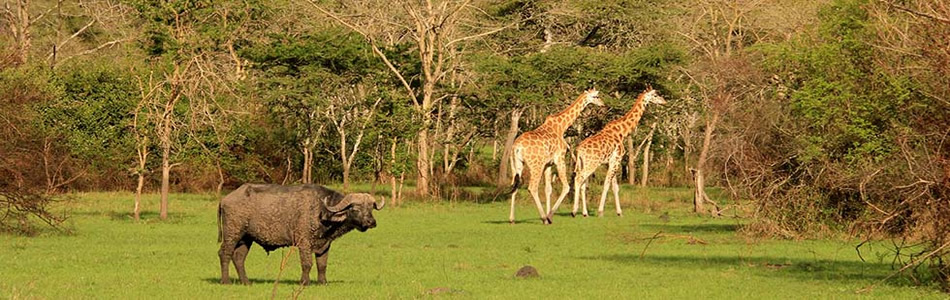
x=517 y=166
x=578 y=166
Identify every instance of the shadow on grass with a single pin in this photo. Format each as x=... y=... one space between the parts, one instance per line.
x=259 y=281
x=693 y=228
x=521 y=221
x=145 y=216
x=797 y=268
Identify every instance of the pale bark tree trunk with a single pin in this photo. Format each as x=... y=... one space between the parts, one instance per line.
x=165 y=138
x=699 y=195
x=634 y=154
x=347 y=156
x=20 y=27
x=166 y=170
x=494 y=148
x=646 y=158
x=143 y=158
x=392 y=175
x=307 y=172
x=422 y=162
x=503 y=167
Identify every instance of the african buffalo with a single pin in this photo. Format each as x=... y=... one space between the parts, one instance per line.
x=308 y=217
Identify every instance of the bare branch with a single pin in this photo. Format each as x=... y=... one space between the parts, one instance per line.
x=90 y=51
x=916 y=13
x=372 y=42
x=63 y=43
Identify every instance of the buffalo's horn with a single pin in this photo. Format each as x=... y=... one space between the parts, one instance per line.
x=340 y=206
x=378 y=206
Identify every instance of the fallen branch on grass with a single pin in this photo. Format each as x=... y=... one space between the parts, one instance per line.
x=689 y=240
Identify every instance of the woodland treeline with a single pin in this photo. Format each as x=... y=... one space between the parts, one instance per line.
x=814 y=116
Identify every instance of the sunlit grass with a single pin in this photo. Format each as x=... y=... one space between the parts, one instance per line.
x=463 y=249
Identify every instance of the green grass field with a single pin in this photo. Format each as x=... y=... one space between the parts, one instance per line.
x=459 y=249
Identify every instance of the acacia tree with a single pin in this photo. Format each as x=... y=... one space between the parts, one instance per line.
x=717 y=35
x=435 y=30
x=349 y=114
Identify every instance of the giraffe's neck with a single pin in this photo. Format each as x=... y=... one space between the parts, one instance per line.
x=629 y=121
x=560 y=121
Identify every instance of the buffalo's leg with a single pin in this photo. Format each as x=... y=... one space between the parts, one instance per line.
x=322 y=266
x=225 y=254
x=306 y=262
x=240 y=254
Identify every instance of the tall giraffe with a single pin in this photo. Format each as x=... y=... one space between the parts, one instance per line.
x=541 y=147
x=606 y=146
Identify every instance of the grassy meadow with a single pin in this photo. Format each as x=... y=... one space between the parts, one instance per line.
x=447 y=249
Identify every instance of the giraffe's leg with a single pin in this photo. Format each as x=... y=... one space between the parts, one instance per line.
x=617 y=196
x=533 y=186
x=517 y=167
x=511 y=216
x=578 y=191
x=547 y=190
x=565 y=184
x=584 y=196
x=608 y=182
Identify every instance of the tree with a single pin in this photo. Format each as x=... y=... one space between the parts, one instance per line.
x=717 y=34
x=436 y=31
x=349 y=114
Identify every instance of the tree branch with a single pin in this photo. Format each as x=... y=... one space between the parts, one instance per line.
x=917 y=13
x=63 y=43
x=90 y=51
x=372 y=42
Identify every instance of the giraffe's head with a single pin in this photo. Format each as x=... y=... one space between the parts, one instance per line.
x=592 y=96
x=651 y=96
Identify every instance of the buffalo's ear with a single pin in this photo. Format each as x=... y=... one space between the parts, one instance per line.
x=338 y=217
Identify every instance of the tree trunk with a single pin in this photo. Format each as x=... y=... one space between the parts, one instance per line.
x=143 y=156
x=699 y=193
x=422 y=162
x=166 y=171
x=392 y=173
x=646 y=158
x=138 y=196
x=306 y=175
x=503 y=176
x=631 y=161
x=699 y=196
x=494 y=149
x=21 y=30
x=220 y=179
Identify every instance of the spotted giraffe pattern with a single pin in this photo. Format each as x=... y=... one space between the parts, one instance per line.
x=606 y=147
x=540 y=148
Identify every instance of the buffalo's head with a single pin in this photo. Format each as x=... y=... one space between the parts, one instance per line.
x=356 y=210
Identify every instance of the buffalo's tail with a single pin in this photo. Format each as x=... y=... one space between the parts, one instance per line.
x=220 y=223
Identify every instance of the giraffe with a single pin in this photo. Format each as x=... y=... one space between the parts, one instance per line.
x=543 y=146
x=606 y=146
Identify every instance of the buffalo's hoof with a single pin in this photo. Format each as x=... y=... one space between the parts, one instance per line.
x=245 y=282
x=573 y=214
x=321 y=282
x=225 y=281
x=512 y=222
x=620 y=214
x=546 y=221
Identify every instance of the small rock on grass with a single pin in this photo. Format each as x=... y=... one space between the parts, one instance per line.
x=527 y=272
